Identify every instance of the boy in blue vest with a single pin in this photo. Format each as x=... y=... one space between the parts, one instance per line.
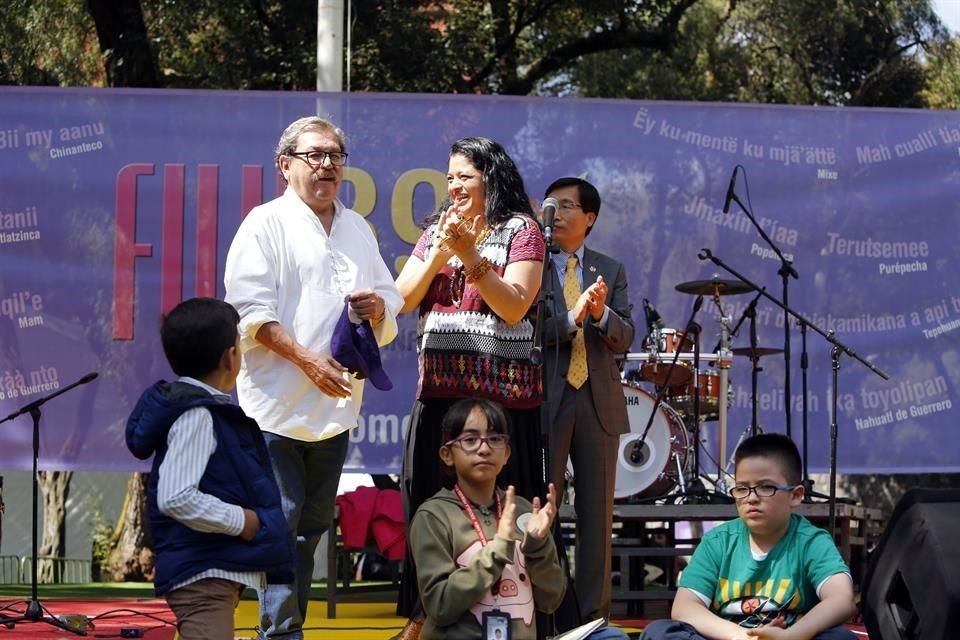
x=769 y=574
x=213 y=502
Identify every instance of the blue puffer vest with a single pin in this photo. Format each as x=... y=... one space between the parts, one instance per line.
x=238 y=472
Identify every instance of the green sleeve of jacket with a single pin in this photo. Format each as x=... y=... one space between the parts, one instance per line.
x=546 y=576
x=446 y=590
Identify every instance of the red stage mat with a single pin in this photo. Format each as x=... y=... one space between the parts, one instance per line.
x=152 y=618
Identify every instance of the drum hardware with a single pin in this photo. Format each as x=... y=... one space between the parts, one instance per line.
x=715 y=287
x=751 y=313
x=724 y=362
x=646 y=356
x=639 y=449
x=733 y=454
x=659 y=341
x=680 y=479
x=838 y=349
x=667 y=342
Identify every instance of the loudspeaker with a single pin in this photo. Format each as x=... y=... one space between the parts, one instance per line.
x=912 y=586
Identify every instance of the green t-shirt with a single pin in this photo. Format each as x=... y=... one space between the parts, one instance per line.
x=751 y=592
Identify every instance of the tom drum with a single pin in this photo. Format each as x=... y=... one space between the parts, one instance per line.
x=683 y=397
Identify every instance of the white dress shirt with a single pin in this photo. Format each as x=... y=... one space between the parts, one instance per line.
x=283 y=267
x=190 y=443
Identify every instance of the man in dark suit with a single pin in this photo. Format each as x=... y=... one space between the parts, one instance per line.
x=589 y=322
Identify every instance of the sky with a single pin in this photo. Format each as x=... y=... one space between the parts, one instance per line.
x=949 y=12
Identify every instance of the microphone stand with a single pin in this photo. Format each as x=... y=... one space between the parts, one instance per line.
x=786 y=271
x=835 y=366
x=808 y=492
x=34 y=611
x=545 y=301
x=639 y=451
x=695 y=487
x=751 y=312
x=839 y=349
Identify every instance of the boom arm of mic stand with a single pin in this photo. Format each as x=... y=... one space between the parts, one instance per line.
x=750 y=309
x=36 y=404
x=787 y=265
x=706 y=254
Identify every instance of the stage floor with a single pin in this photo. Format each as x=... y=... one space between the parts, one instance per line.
x=132 y=606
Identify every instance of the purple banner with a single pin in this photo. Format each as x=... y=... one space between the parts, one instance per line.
x=115 y=205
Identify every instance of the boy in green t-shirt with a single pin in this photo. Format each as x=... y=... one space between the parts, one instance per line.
x=769 y=574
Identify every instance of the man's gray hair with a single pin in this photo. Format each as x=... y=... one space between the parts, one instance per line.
x=290 y=135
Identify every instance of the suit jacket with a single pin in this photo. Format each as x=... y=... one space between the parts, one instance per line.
x=604 y=375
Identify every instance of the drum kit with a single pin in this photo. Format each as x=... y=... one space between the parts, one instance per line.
x=662 y=450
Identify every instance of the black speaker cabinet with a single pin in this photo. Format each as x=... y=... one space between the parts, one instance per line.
x=912 y=587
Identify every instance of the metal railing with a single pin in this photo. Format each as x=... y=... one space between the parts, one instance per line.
x=19 y=570
x=9 y=569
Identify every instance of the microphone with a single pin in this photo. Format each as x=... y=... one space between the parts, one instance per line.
x=730 y=194
x=550 y=206
x=653 y=318
x=88 y=378
x=536 y=356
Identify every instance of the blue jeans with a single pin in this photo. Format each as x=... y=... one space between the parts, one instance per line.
x=676 y=630
x=608 y=633
x=308 y=474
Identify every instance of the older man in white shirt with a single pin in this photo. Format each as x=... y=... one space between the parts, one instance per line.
x=293 y=265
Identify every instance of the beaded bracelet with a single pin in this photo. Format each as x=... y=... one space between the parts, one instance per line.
x=478 y=270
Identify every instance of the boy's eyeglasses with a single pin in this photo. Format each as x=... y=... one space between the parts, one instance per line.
x=742 y=492
x=471 y=443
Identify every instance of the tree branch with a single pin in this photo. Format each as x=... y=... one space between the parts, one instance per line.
x=880 y=67
x=124 y=46
x=622 y=37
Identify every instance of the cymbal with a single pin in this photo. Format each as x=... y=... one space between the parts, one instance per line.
x=707 y=287
x=753 y=354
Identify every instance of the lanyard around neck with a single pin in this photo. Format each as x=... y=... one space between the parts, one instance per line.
x=473 y=516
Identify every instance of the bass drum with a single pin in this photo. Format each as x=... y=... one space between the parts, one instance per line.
x=655 y=471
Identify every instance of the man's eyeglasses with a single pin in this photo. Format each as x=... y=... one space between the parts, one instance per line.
x=742 y=492
x=471 y=442
x=570 y=205
x=317 y=158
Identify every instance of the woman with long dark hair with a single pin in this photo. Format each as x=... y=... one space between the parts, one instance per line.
x=474 y=276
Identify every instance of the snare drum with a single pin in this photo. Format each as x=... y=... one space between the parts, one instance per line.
x=655 y=471
x=666 y=342
x=683 y=397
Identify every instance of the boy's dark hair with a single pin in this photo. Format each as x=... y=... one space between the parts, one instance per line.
x=777 y=446
x=195 y=334
x=456 y=417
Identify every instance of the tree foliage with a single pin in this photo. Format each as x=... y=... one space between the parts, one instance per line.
x=845 y=52
x=849 y=52
x=942 y=80
x=48 y=43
